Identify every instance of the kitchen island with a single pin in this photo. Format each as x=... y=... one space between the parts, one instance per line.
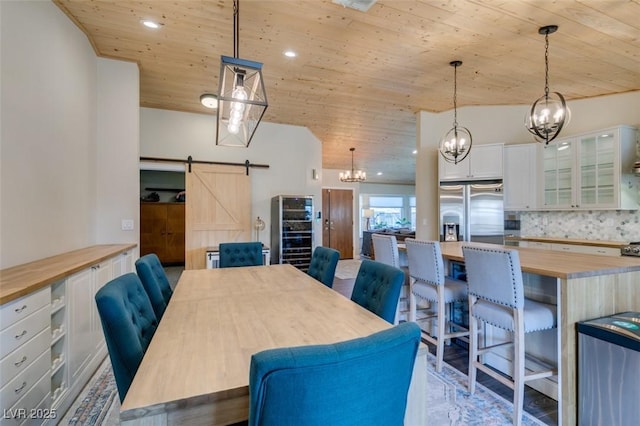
x=586 y=286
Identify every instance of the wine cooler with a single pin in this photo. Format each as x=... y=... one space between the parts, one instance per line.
x=292 y=230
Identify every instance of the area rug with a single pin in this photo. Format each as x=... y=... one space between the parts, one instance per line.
x=449 y=403
x=96 y=400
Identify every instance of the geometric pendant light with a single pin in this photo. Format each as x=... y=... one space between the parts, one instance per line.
x=242 y=99
x=549 y=113
x=456 y=143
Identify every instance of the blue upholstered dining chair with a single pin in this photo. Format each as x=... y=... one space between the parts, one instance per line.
x=364 y=381
x=128 y=323
x=323 y=265
x=155 y=282
x=241 y=254
x=496 y=297
x=377 y=288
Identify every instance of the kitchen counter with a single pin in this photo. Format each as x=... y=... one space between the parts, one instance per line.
x=574 y=241
x=556 y=264
x=584 y=286
x=20 y=280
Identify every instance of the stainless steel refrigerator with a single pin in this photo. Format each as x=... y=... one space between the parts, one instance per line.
x=472 y=211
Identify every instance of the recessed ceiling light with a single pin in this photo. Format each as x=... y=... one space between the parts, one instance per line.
x=209 y=100
x=150 y=24
x=290 y=54
x=415 y=151
x=379 y=173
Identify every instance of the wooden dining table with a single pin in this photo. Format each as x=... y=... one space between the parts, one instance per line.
x=196 y=369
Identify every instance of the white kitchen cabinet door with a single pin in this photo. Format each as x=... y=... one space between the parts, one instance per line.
x=102 y=274
x=483 y=162
x=85 y=329
x=122 y=264
x=520 y=179
x=80 y=294
x=592 y=171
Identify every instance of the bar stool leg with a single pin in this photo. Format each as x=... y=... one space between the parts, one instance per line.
x=473 y=348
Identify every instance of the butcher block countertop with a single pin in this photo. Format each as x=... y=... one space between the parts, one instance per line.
x=20 y=280
x=560 y=240
x=555 y=263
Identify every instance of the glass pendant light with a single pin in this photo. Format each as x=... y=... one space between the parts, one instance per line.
x=242 y=99
x=456 y=143
x=549 y=113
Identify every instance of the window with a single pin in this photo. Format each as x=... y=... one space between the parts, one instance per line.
x=387 y=212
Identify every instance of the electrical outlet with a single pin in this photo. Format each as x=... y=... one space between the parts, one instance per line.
x=127 y=224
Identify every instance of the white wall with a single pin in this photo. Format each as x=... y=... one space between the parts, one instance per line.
x=49 y=185
x=117 y=140
x=291 y=152
x=503 y=124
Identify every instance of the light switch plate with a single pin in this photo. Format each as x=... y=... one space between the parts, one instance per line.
x=127 y=224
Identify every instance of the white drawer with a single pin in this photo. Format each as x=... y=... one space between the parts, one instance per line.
x=21 y=332
x=576 y=248
x=42 y=411
x=24 y=355
x=23 y=382
x=14 y=311
x=535 y=244
x=30 y=410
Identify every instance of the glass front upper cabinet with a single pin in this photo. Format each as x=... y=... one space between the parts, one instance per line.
x=558 y=174
x=597 y=173
x=591 y=171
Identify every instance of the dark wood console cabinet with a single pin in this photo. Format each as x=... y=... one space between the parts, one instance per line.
x=162 y=231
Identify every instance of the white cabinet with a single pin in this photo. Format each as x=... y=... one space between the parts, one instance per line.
x=483 y=162
x=25 y=358
x=590 y=171
x=85 y=330
x=122 y=264
x=578 y=248
x=51 y=340
x=59 y=384
x=572 y=248
x=520 y=181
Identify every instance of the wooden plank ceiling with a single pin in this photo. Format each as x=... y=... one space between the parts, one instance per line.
x=360 y=77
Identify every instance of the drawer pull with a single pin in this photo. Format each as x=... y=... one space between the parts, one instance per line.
x=19 y=310
x=24 y=385
x=19 y=363
x=21 y=335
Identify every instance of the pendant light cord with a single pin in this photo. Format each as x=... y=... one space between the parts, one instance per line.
x=546 y=64
x=455 y=96
x=236 y=29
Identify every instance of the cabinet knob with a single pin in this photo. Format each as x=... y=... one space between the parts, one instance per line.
x=18 y=310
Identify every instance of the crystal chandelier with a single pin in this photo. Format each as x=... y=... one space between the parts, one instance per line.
x=456 y=143
x=242 y=99
x=549 y=113
x=353 y=175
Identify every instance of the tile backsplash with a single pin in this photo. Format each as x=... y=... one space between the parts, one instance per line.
x=615 y=225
